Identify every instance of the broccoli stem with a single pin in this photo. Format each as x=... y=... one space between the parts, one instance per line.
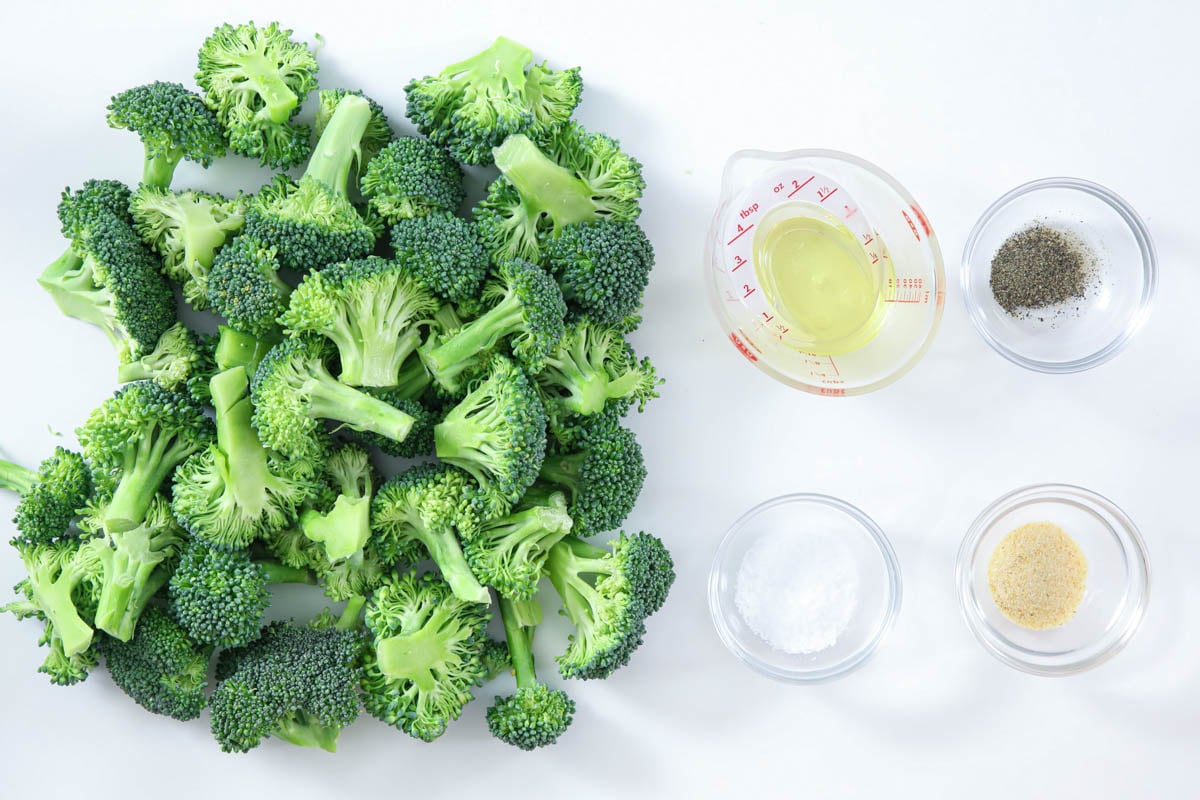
x=463 y=348
x=586 y=386
x=237 y=349
x=263 y=77
x=446 y=552
x=241 y=456
x=53 y=597
x=377 y=355
x=340 y=144
x=74 y=290
x=500 y=69
x=282 y=573
x=344 y=530
x=542 y=183
x=567 y=561
x=131 y=578
x=16 y=478
x=149 y=461
x=351 y=616
x=528 y=611
x=330 y=399
x=520 y=645
x=413 y=380
x=414 y=656
x=306 y=731
x=158 y=170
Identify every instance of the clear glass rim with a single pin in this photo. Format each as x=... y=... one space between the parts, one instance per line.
x=855 y=659
x=995 y=643
x=939 y=271
x=1149 y=273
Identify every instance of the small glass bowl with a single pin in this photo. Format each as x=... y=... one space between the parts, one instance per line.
x=1115 y=596
x=1081 y=334
x=878 y=597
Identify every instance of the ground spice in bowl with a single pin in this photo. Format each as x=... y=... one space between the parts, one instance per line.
x=1037 y=576
x=1040 y=267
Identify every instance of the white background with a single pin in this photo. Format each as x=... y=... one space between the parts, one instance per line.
x=960 y=103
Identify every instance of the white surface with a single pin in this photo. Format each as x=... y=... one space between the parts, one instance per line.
x=960 y=104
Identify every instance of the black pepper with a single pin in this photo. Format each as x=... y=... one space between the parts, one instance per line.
x=1040 y=267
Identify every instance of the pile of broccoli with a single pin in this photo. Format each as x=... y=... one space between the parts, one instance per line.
x=358 y=309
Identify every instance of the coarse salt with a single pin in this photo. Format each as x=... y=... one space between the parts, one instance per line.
x=797 y=589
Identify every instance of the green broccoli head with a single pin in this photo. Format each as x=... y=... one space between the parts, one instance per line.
x=592 y=368
x=235 y=491
x=524 y=308
x=410 y=178
x=50 y=498
x=60 y=588
x=297 y=684
x=603 y=267
x=370 y=309
x=414 y=515
x=293 y=391
x=94 y=198
x=244 y=287
x=535 y=715
x=110 y=279
x=177 y=360
x=255 y=80
x=160 y=667
x=377 y=135
x=496 y=659
x=311 y=222
x=173 y=123
x=607 y=594
x=498 y=435
x=472 y=106
x=508 y=553
x=134 y=441
x=444 y=252
x=425 y=656
x=575 y=176
x=187 y=229
x=602 y=477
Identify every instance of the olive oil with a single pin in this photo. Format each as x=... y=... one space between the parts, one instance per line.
x=820 y=279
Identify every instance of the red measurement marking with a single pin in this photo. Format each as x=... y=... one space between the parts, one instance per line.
x=921 y=217
x=780 y=332
x=768 y=317
x=738 y=263
x=824 y=197
x=743 y=231
x=850 y=212
x=801 y=186
x=747 y=290
x=836 y=371
x=741 y=346
x=867 y=239
x=911 y=226
x=903 y=300
x=874 y=258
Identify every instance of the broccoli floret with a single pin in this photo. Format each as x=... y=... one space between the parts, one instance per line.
x=412 y=177
x=297 y=684
x=110 y=279
x=607 y=595
x=498 y=435
x=61 y=584
x=496 y=660
x=134 y=441
x=134 y=562
x=219 y=594
x=415 y=512
x=345 y=527
x=578 y=176
x=603 y=267
x=173 y=124
x=593 y=366
x=602 y=477
x=370 y=309
x=244 y=287
x=160 y=668
x=535 y=715
x=508 y=553
x=235 y=491
x=293 y=390
x=419 y=442
x=470 y=107
x=425 y=656
x=255 y=80
x=445 y=252
x=187 y=229
x=525 y=308
x=177 y=359
x=50 y=497
x=94 y=198
x=311 y=222
x=377 y=134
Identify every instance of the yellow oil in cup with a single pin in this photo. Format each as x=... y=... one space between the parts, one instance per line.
x=818 y=276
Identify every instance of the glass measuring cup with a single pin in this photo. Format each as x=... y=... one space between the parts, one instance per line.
x=898 y=279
